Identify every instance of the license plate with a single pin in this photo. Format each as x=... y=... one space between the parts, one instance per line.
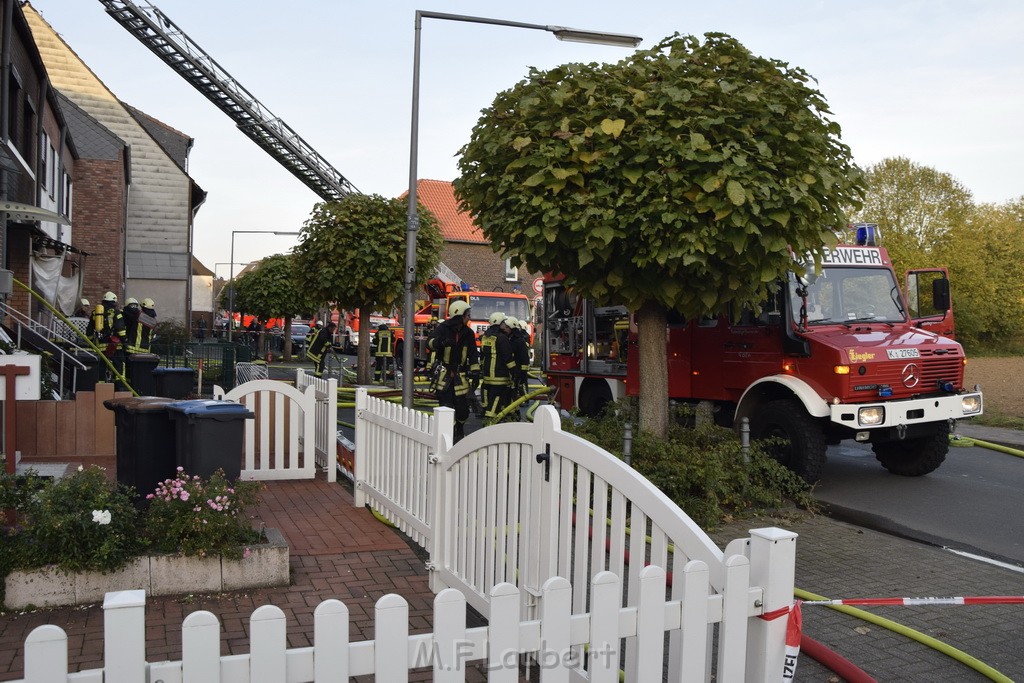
x=899 y=354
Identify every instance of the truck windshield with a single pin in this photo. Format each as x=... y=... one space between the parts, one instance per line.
x=846 y=295
x=482 y=306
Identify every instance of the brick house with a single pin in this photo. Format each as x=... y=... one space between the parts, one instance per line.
x=36 y=153
x=466 y=251
x=156 y=215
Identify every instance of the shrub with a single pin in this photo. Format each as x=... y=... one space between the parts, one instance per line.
x=196 y=517
x=78 y=522
x=703 y=469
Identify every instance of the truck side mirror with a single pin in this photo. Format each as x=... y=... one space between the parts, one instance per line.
x=940 y=294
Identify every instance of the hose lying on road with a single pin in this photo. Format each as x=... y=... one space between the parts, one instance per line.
x=946 y=649
x=957 y=440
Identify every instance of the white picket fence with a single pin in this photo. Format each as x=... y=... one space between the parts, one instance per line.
x=520 y=503
x=294 y=427
x=559 y=645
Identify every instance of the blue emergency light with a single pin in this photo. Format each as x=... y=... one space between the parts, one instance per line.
x=868 y=234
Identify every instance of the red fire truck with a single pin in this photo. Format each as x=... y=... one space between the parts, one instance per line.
x=843 y=354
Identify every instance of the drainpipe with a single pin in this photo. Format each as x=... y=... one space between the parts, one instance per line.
x=5 y=121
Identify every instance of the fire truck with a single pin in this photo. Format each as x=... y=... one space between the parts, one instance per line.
x=833 y=355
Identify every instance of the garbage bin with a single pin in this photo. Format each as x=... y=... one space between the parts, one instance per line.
x=145 y=441
x=85 y=380
x=174 y=382
x=209 y=435
x=140 y=373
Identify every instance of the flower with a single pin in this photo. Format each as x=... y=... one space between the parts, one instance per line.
x=81 y=469
x=101 y=517
x=247 y=552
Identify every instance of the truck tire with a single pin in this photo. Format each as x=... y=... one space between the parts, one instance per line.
x=914 y=457
x=594 y=396
x=788 y=420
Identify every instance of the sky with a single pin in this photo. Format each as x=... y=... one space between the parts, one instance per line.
x=937 y=81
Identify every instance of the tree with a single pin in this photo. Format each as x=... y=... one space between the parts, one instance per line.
x=271 y=290
x=352 y=253
x=915 y=206
x=678 y=178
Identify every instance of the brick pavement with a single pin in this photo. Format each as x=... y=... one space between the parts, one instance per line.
x=340 y=552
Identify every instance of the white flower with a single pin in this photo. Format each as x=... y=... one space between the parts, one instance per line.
x=80 y=468
x=101 y=517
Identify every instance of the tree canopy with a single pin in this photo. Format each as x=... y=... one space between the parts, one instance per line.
x=352 y=253
x=678 y=178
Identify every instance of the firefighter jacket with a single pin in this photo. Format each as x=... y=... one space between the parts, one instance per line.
x=139 y=324
x=321 y=337
x=496 y=357
x=521 y=352
x=382 y=345
x=453 y=347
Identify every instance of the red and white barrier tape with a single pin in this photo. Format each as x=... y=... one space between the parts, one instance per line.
x=978 y=600
x=794 y=630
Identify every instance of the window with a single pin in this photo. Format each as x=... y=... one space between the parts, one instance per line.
x=511 y=272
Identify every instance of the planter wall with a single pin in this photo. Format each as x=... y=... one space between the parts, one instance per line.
x=267 y=565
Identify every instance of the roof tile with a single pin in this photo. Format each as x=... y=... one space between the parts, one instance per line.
x=456 y=225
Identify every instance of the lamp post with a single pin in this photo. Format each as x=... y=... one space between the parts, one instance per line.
x=231 y=278
x=412 y=220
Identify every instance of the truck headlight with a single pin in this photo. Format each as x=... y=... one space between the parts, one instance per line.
x=970 y=404
x=873 y=415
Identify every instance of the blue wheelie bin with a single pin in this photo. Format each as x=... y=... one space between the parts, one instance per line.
x=209 y=435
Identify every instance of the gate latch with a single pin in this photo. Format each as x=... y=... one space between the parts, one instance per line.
x=545 y=458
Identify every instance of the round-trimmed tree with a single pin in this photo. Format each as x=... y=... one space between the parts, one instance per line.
x=679 y=178
x=352 y=253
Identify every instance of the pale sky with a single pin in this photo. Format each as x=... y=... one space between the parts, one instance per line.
x=938 y=81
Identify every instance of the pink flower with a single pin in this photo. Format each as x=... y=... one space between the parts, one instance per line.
x=180 y=468
x=149 y=497
x=184 y=495
x=247 y=553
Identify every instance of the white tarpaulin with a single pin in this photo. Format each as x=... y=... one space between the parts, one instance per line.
x=62 y=291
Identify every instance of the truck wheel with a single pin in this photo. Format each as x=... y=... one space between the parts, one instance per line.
x=787 y=420
x=594 y=396
x=914 y=457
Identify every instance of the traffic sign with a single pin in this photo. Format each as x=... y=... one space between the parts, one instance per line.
x=538 y=286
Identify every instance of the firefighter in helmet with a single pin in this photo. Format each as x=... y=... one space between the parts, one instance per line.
x=453 y=346
x=498 y=364
x=318 y=347
x=520 y=342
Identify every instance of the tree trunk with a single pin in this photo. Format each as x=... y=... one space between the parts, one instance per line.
x=652 y=331
x=363 y=359
x=288 y=339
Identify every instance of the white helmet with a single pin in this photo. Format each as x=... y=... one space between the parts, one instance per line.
x=512 y=322
x=524 y=326
x=459 y=307
x=148 y=303
x=497 y=318
x=110 y=296
x=85 y=303
x=131 y=300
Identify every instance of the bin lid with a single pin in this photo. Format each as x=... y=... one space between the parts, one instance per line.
x=211 y=408
x=169 y=371
x=151 y=357
x=138 y=404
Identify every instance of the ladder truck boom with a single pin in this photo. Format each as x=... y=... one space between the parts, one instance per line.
x=168 y=42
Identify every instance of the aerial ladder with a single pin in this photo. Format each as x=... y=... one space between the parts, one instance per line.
x=168 y=42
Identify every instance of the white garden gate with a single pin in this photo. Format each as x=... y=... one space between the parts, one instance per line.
x=286 y=440
x=520 y=503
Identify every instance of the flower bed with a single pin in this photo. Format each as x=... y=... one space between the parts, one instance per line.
x=262 y=565
x=81 y=536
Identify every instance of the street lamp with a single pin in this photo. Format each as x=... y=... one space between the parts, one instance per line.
x=231 y=279
x=412 y=220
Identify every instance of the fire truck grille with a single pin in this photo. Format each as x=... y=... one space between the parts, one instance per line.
x=931 y=370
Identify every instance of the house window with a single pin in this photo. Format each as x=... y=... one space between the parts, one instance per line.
x=511 y=272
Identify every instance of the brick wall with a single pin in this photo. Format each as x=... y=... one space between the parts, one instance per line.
x=98 y=223
x=478 y=265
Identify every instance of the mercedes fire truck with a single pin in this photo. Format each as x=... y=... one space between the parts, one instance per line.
x=842 y=354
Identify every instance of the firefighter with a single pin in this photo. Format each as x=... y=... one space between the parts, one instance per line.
x=314 y=327
x=147 y=321
x=382 y=351
x=111 y=331
x=83 y=309
x=457 y=364
x=132 y=312
x=520 y=342
x=498 y=364
x=318 y=347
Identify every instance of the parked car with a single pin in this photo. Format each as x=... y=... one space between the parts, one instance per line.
x=300 y=328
